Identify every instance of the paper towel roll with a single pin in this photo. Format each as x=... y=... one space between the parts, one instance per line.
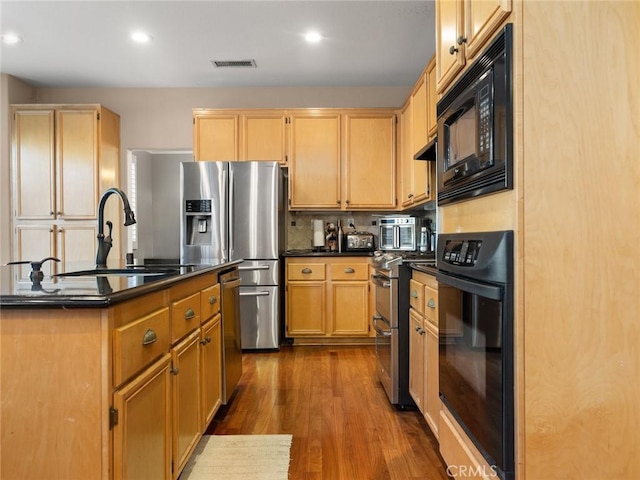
x=318 y=233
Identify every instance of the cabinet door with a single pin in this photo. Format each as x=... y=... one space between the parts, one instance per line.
x=431 y=378
x=305 y=308
x=76 y=247
x=370 y=161
x=141 y=438
x=350 y=306
x=432 y=99
x=449 y=54
x=186 y=400
x=33 y=164
x=482 y=17
x=35 y=242
x=406 y=155
x=77 y=164
x=314 y=172
x=211 y=362
x=416 y=358
x=215 y=136
x=264 y=136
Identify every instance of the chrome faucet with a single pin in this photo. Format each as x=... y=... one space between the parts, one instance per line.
x=104 y=243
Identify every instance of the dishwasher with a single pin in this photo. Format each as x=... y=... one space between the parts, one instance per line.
x=231 y=334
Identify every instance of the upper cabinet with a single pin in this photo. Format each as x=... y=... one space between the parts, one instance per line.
x=314 y=174
x=462 y=28
x=369 y=161
x=338 y=159
x=417 y=128
x=229 y=135
x=215 y=135
x=63 y=158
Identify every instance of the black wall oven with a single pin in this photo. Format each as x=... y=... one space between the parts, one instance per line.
x=475 y=127
x=476 y=359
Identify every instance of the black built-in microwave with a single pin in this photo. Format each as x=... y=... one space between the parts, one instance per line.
x=475 y=127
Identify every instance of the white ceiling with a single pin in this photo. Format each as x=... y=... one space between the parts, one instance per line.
x=87 y=44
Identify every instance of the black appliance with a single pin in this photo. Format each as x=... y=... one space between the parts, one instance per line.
x=475 y=127
x=476 y=358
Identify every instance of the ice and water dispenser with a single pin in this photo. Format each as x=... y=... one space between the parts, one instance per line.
x=198 y=226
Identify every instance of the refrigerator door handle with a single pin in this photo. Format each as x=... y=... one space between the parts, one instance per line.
x=254 y=294
x=230 y=207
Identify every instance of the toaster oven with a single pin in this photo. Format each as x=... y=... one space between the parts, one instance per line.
x=359 y=241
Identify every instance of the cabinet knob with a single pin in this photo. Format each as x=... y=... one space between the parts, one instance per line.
x=149 y=337
x=452 y=50
x=213 y=299
x=349 y=270
x=189 y=314
x=205 y=340
x=431 y=303
x=174 y=370
x=414 y=294
x=460 y=40
x=307 y=270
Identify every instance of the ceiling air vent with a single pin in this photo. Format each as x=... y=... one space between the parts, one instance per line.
x=234 y=63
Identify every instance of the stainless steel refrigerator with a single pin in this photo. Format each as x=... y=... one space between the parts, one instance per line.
x=232 y=211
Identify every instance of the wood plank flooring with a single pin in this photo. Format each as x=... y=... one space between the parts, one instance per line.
x=342 y=424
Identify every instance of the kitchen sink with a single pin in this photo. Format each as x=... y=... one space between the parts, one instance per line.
x=123 y=272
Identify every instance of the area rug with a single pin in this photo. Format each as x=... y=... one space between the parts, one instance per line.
x=239 y=457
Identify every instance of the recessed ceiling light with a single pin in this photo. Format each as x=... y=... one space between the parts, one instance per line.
x=141 y=37
x=313 y=37
x=10 y=38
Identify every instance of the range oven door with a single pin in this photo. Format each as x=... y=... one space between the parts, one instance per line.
x=476 y=364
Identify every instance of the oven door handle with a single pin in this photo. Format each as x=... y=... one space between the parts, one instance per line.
x=384 y=333
x=493 y=292
x=379 y=280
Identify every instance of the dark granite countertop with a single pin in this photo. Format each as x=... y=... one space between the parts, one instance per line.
x=421 y=267
x=94 y=290
x=326 y=253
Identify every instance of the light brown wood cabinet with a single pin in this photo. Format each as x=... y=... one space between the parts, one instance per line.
x=417 y=128
x=327 y=297
x=340 y=159
x=63 y=158
x=462 y=29
x=423 y=347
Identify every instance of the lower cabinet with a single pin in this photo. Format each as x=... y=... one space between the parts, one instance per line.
x=210 y=361
x=185 y=359
x=424 y=346
x=142 y=433
x=327 y=297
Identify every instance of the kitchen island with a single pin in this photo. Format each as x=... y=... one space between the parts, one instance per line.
x=110 y=376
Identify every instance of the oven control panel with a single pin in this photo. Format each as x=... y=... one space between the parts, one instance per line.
x=461 y=252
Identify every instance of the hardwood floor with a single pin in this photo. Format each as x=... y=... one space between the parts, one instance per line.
x=342 y=424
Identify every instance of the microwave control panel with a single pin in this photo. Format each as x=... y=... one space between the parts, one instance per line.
x=461 y=252
x=485 y=113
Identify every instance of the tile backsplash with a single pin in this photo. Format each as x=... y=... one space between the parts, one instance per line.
x=300 y=225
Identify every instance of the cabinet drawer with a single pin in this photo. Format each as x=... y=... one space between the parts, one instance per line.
x=349 y=271
x=416 y=296
x=209 y=302
x=305 y=271
x=431 y=305
x=185 y=316
x=138 y=343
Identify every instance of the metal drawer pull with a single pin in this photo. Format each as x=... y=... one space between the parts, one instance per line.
x=189 y=314
x=257 y=267
x=149 y=337
x=431 y=303
x=213 y=299
x=349 y=270
x=307 y=270
x=263 y=293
